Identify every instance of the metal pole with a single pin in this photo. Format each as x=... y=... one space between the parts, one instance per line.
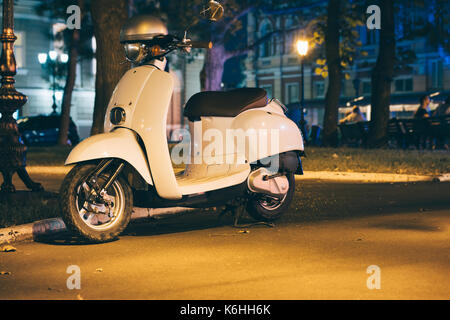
x=302 y=101
x=12 y=150
x=54 y=106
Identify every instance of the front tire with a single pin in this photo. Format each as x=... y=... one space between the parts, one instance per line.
x=89 y=219
x=262 y=208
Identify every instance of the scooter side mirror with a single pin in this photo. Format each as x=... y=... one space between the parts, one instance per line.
x=213 y=12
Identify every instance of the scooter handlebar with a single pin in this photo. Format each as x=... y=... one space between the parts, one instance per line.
x=201 y=44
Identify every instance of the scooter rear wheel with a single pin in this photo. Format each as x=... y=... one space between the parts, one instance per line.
x=85 y=216
x=265 y=208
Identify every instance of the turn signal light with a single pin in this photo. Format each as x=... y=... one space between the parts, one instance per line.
x=156 y=51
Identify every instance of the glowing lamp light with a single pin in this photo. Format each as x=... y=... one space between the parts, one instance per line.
x=64 y=58
x=53 y=55
x=302 y=47
x=58 y=95
x=42 y=57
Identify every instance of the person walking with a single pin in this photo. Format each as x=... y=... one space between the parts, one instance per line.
x=421 y=124
x=424 y=110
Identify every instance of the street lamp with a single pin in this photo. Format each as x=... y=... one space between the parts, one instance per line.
x=64 y=58
x=302 y=49
x=12 y=149
x=42 y=57
x=53 y=57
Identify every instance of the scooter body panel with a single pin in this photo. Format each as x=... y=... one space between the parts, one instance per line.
x=274 y=132
x=121 y=143
x=145 y=93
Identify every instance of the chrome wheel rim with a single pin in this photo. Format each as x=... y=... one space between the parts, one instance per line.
x=271 y=203
x=100 y=216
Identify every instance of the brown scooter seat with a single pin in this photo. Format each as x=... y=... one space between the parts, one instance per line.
x=224 y=104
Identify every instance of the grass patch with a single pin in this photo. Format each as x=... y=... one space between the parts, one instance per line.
x=26 y=207
x=47 y=156
x=377 y=160
x=318 y=159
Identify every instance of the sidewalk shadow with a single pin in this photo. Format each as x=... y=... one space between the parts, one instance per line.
x=179 y=223
x=65 y=238
x=406 y=225
x=185 y=222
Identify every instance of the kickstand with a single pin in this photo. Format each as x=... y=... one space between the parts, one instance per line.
x=237 y=211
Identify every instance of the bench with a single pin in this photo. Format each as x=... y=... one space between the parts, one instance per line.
x=354 y=134
x=403 y=133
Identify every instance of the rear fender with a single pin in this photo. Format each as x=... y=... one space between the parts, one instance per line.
x=283 y=135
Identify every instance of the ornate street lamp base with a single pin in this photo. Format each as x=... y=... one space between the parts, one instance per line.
x=12 y=149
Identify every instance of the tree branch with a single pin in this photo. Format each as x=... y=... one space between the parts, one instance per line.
x=246 y=49
x=243 y=13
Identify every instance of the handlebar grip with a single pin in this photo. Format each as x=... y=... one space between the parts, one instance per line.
x=201 y=44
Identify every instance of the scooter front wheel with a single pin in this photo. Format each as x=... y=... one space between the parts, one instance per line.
x=97 y=218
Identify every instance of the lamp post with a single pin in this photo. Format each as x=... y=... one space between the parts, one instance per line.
x=12 y=150
x=53 y=58
x=302 y=49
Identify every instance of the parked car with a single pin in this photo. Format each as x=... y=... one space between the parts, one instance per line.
x=43 y=130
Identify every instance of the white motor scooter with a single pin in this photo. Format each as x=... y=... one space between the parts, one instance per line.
x=243 y=147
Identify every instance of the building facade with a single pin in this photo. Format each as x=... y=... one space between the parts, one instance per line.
x=34 y=37
x=276 y=66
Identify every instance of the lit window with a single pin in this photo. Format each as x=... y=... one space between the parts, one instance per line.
x=319 y=88
x=19 y=49
x=292 y=92
x=266 y=48
x=404 y=85
x=269 y=90
x=366 y=87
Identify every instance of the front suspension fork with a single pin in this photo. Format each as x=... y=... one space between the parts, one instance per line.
x=92 y=179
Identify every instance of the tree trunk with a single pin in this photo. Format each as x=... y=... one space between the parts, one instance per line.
x=68 y=88
x=108 y=17
x=382 y=77
x=332 y=34
x=211 y=75
x=70 y=83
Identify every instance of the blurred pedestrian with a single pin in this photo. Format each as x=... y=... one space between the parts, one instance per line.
x=355 y=116
x=424 y=109
x=421 y=125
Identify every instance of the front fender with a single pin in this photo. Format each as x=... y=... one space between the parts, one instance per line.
x=121 y=143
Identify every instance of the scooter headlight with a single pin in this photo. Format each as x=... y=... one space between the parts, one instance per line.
x=135 y=52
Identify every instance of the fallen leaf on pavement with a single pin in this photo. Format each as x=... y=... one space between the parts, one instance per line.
x=99 y=270
x=8 y=249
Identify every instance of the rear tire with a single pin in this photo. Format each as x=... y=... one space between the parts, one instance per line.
x=259 y=208
x=73 y=216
